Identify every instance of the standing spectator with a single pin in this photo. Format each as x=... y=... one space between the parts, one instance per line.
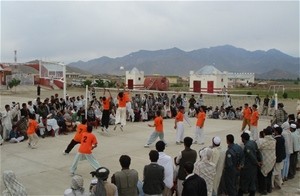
x=257 y=101
x=267 y=148
x=38 y=90
x=199 y=136
x=192 y=102
x=206 y=169
x=165 y=161
x=31 y=132
x=159 y=130
x=218 y=158
x=288 y=143
x=272 y=107
x=106 y=108
x=280 y=115
x=200 y=101
x=253 y=160
x=233 y=162
x=193 y=184
x=296 y=149
x=187 y=155
x=246 y=116
x=87 y=144
x=102 y=186
x=81 y=128
x=280 y=156
x=126 y=180
x=7 y=116
x=153 y=176
x=253 y=122
x=265 y=110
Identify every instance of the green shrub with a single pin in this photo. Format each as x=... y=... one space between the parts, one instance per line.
x=285 y=95
x=249 y=93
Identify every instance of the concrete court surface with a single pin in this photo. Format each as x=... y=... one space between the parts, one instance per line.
x=45 y=170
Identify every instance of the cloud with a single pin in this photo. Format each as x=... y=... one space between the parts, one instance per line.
x=77 y=30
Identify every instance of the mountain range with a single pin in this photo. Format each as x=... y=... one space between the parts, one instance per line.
x=271 y=64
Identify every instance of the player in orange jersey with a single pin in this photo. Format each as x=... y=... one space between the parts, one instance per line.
x=81 y=128
x=199 y=136
x=246 y=116
x=87 y=144
x=254 y=122
x=159 y=130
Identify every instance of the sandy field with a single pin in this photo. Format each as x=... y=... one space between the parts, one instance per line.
x=45 y=170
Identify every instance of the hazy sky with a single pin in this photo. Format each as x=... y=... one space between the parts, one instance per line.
x=69 y=31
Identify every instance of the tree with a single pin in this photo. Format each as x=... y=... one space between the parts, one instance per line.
x=87 y=83
x=99 y=83
x=14 y=83
x=110 y=84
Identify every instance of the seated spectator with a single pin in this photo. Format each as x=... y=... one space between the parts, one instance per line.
x=209 y=112
x=238 y=113
x=12 y=185
x=216 y=113
x=76 y=188
x=192 y=111
x=222 y=114
x=15 y=135
x=144 y=114
x=231 y=114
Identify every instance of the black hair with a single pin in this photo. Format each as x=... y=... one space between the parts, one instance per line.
x=160 y=146
x=153 y=155
x=188 y=167
x=125 y=161
x=245 y=136
x=188 y=141
x=230 y=138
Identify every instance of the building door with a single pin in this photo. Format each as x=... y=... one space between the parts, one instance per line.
x=210 y=86
x=130 y=83
x=197 y=86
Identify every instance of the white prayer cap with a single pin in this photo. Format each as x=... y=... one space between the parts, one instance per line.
x=217 y=140
x=293 y=126
x=285 y=126
x=275 y=125
x=247 y=131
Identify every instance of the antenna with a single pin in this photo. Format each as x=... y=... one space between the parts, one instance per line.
x=15 y=56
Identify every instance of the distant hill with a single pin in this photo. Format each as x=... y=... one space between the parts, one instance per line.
x=178 y=62
x=276 y=74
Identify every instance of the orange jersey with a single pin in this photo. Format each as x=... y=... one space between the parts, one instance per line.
x=32 y=125
x=106 y=104
x=200 y=119
x=254 y=118
x=122 y=101
x=247 y=113
x=81 y=128
x=87 y=142
x=127 y=96
x=158 y=123
x=179 y=117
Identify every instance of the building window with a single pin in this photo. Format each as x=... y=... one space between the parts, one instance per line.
x=139 y=78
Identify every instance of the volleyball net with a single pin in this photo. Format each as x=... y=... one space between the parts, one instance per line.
x=210 y=99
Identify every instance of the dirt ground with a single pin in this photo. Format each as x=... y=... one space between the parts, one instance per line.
x=45 y=170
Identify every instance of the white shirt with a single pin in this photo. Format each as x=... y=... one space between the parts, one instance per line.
x=166 y=161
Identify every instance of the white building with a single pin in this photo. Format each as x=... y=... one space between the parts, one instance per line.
x=134 y=79
x=208 y=80
x=237 y=79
